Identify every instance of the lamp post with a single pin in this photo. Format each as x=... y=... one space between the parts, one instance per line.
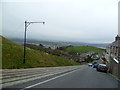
x=26 y=25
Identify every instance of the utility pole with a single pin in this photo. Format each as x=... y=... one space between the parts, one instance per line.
x=26 y=25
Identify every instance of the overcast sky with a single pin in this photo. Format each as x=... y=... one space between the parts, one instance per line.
x=93 y=21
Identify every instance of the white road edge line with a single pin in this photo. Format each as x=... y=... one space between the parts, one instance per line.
x=48 y=80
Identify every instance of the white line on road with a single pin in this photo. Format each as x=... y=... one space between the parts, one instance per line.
x=48 y=80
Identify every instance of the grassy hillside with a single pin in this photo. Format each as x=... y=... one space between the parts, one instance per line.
x=12 y=57
x=84 y=49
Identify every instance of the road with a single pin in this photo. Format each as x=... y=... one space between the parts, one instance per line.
x=84 y=77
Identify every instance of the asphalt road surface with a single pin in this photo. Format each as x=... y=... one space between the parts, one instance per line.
x=84 y=77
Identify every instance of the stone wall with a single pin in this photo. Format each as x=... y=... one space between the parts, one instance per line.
x=114 y=68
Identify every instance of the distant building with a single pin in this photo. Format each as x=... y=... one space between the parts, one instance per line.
x=84 y=56
x=87 y=54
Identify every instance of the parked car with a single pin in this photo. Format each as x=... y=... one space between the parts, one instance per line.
x=102 y=67
x=95 y=64
x=90 y=64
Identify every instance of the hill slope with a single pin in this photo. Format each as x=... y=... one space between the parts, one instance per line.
x=84 y=49
x=12 y=57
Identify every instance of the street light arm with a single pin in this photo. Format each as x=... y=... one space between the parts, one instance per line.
x=28 y=23
x=35 y=22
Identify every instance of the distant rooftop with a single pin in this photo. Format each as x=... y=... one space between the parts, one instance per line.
x=115 y=43
x=88 y=53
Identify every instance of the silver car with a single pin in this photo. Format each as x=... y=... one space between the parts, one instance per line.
x=102 y=67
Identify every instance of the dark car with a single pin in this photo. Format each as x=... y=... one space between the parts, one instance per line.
x=102 y=67
x=95 y=64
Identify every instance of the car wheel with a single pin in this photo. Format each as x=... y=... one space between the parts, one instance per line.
x=105 y=71
x=97 y=69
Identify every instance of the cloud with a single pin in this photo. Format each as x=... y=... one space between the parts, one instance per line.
x=74 y=20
